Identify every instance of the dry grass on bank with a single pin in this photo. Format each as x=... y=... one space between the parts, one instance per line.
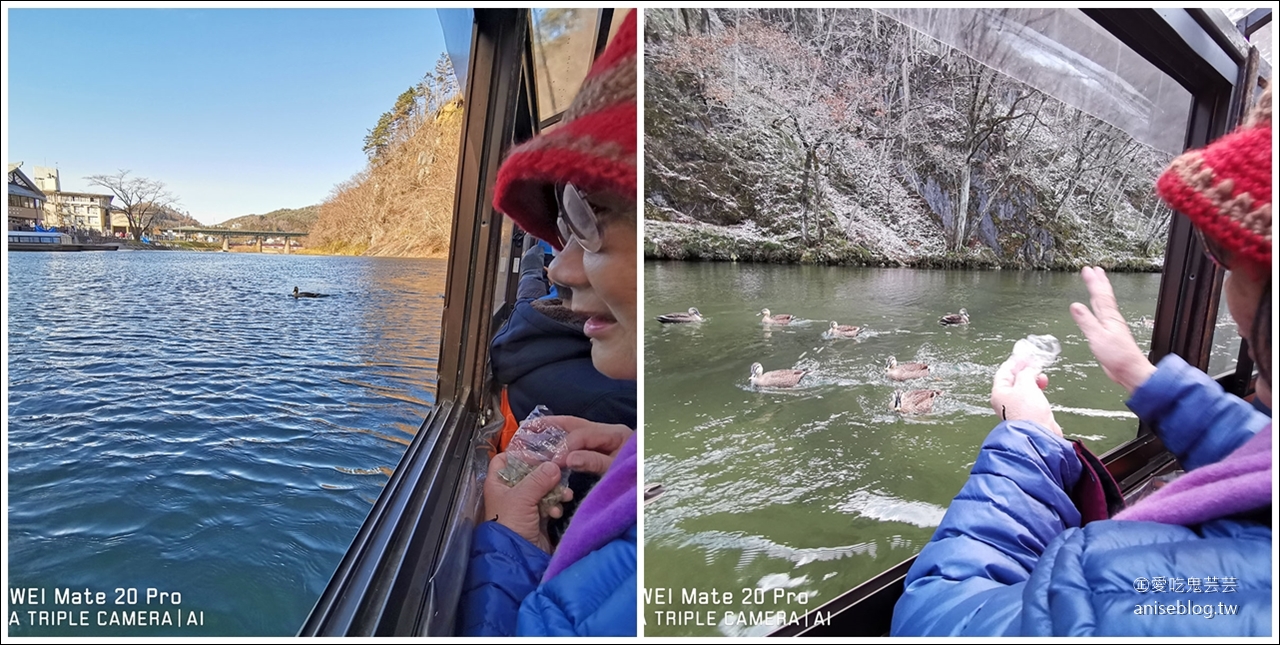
x=401 y=204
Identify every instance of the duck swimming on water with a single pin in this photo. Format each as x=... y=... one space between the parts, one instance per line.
x=780 y=319
x=914 y=401
x=776 y=378
x=693 y=315
x=308 y=294
x=906 y=371
x=961 y=318
x=842 y=331
x=652 y=492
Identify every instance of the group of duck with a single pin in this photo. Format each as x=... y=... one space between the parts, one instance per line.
x=904 y=402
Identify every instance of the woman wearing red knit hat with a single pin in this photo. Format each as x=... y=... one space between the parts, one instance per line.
x=575 y=188
x=1014 y=554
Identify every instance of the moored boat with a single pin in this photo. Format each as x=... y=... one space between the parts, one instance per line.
x=51 y=241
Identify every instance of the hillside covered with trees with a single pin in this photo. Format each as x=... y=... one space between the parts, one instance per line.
x=401 y=203
x=173 y=218
x=282 y=219
x=845 y=136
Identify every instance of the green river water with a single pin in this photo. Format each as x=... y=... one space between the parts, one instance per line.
x=806 y=493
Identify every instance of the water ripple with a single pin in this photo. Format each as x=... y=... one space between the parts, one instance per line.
x=825 y=482
x=177 y=420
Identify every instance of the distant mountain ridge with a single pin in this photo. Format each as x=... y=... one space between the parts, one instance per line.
x=172 y=219
x=283 y=219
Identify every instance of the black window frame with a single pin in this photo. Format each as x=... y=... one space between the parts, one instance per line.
x=395 y=578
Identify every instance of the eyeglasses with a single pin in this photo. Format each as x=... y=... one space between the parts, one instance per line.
x=577 y=219
x=1214 y=250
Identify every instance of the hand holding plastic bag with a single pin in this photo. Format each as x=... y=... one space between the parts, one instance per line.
x=524 y=486
x=538 y=440
x=590 y=446
x=1017 y=391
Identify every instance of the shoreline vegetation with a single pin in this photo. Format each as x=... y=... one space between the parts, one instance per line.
x=216 y=247
x=401 y=203
x=699 y=242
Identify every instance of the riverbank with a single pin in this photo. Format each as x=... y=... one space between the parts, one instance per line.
x=216 y=247
x=700 y=242
x=364 y=250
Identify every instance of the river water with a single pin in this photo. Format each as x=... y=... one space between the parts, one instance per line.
x=810 y=492
x=176 y=422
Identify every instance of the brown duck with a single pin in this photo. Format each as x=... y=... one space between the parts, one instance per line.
x=780 y=319
x=652 y=492
x=693 y=315
x=307 y=294
x=961 y=318
x=776 y=378
x=906 y=371
x=842 y=331
x=914 y=401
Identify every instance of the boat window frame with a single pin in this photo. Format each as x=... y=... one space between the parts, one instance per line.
x=385 y=583
x=1192 y=47
x=394 y=578
x=1188 y=46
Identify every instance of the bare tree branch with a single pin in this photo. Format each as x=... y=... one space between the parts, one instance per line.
x=140 y=199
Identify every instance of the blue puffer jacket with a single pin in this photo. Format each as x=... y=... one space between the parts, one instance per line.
x=594 y=596
x=588 y=588
x=1010 y=557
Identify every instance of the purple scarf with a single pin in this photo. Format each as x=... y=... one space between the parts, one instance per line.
x=1239 y=483
x=607 y=512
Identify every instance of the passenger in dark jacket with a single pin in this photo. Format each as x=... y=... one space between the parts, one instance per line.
x=543 y=358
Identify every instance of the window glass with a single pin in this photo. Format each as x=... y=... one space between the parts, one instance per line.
x=618 y=16
x=1065 y=54
x=456 y=24
x=563 y=50
x=1264 y=39
x=1226 y=341
x=508 y=266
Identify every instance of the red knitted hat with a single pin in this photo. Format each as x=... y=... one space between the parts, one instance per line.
x=1225 y=188
x=594 y=147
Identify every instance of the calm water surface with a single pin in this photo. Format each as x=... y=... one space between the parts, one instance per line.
x=810 y=492
x=177 y=422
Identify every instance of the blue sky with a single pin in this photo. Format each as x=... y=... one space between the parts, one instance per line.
x=237 y=111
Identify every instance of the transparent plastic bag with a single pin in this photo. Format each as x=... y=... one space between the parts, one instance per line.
x=1152 y=485
x=1035 y=351
x=533 y=443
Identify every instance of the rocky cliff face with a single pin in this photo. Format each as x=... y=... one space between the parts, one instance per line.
x=845 y=137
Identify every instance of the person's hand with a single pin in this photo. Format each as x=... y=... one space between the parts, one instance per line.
x=592 y=446
x=1109 y=337
x=516 y=507
x=1017 y=395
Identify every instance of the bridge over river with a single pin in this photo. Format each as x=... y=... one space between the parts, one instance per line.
x=227 y=234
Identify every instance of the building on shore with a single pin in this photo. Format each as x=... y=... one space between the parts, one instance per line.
x=26 y=200
x=119 y=223
x=66 y=209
